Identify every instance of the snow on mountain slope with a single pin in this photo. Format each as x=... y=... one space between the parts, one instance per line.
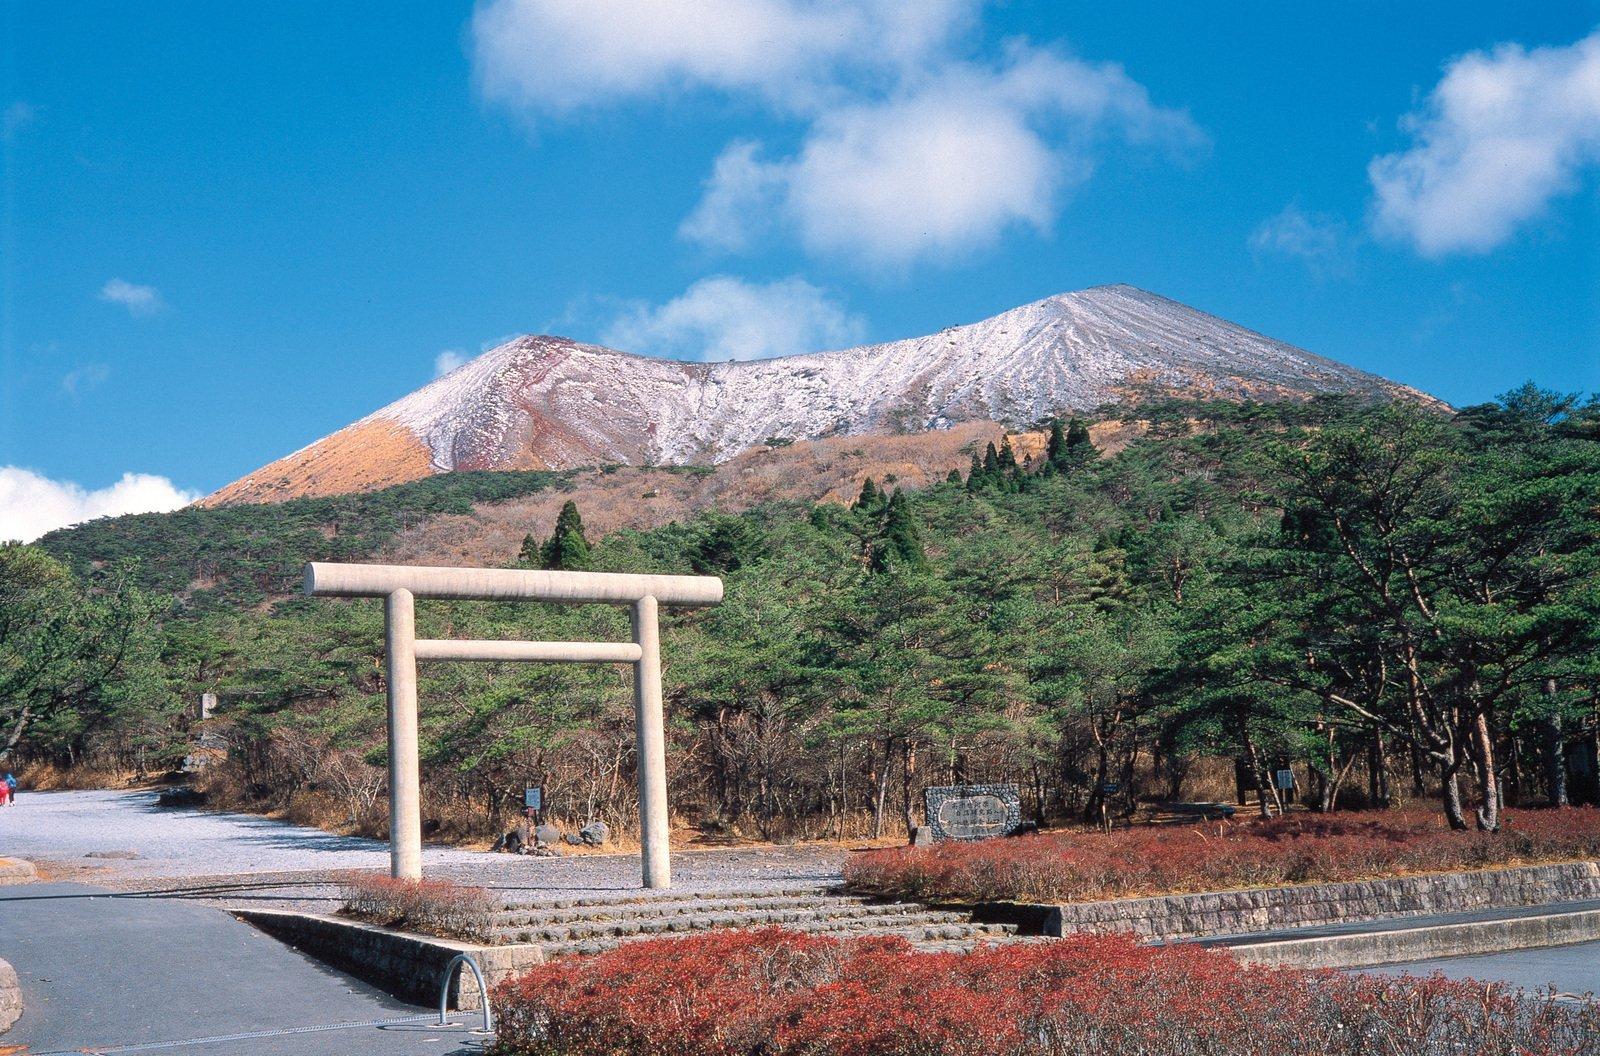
x=547 y=402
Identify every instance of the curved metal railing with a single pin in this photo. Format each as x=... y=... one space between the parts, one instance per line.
x=483 y=989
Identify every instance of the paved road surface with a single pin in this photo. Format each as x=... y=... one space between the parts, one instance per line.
x=1569 y=969
x=74 y=829
x=100 y=970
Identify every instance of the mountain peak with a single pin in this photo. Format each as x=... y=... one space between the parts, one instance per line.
x=547 y=402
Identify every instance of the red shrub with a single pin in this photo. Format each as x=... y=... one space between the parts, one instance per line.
x=434 y=907
x=1085 y=865
x=778 y=993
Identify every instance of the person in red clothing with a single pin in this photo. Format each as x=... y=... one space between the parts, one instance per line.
x=5 y=793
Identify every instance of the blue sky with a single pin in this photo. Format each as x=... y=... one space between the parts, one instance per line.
x=230 y=229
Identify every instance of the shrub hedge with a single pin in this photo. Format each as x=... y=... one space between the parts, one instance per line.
x=781 y=993
x=1085 y=865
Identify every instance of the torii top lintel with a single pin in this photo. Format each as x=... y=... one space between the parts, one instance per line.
x=330 y=579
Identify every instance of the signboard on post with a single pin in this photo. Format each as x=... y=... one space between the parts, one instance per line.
x=1285 y=780
x=533 y=798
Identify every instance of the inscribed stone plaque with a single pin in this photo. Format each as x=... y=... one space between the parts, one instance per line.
x=972 y=812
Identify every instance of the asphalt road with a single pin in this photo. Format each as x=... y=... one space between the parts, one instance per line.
x=100 y=970
x=123 y=838
x=1567 y=969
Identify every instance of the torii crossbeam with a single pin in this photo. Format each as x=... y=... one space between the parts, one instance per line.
x=401 y=585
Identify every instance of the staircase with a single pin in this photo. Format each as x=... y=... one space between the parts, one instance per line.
x=592 y=925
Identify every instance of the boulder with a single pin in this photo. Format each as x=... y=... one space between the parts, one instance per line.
x=546 y=834
x=921 y=836
x=595 y=834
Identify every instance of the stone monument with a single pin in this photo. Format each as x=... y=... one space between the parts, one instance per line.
x=972 y=812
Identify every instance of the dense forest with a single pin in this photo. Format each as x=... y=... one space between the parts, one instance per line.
x=1394 y=603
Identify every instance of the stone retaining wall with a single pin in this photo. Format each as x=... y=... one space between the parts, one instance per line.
x=1270 y=909
x=405 y=964
x=10 y=997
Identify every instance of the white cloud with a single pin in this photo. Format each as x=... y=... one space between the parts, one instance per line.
x=139 y=300
x=1321 y=240
x=17 y=116
x=31 y=505
x=553 y=56
x=80 y=379
x=723 y=317
x=1504 y=133
x=940 y=168
x=448 y=360
x=911 y=147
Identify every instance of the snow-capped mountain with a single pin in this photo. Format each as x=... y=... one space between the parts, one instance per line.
x=547 y=402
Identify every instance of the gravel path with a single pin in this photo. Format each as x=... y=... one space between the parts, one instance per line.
x=124 y=840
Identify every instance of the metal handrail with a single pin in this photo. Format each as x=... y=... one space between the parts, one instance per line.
x=483 y=988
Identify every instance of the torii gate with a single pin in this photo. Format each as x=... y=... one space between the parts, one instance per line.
x=401 y=585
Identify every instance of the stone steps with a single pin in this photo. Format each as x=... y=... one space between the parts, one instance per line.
x=592 y=924
x=536 y=915
x=647 y=899
x=852 y=917
x=951 y=935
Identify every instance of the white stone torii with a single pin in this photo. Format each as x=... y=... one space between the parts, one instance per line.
x=401 y=585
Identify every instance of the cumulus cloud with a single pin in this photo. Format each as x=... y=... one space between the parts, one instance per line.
x=1320 y=240
x=448 y=360
x=554 y=56
x=723 y=317
x=910 y=147
x=938 y=169
x=1505 y=132
x=31 y=505
x=139 y=300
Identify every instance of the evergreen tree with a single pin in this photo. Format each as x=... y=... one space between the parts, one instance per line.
x=991 y=461
x=1009 y=475
x=953 y=477
x=1078 y=442
x=901 y=545
x=870 y=496
x=975 y=475
x=566 y=549
x=529 y=555
x=1055 y=449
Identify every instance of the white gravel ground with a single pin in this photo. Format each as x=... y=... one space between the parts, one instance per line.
x=93 y=830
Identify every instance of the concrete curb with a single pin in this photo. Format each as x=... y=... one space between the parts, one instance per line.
x=10 y=997
x=402 y=963
x=1364 y=949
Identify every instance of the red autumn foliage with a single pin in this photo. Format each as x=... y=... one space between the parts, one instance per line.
x=1083 y=866
x=782 y=993
x=433 y=907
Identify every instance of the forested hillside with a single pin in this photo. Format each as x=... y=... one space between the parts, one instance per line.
x=1394 y=603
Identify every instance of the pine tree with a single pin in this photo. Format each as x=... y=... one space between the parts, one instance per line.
x=901 y=545
x=991 y=461
x=528 y=556
x=1078 y=441
x=1010 y=473
x=975 y=475
x=870 y=496
x=953 y=477
x=1055 y=449
x=567 y=548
